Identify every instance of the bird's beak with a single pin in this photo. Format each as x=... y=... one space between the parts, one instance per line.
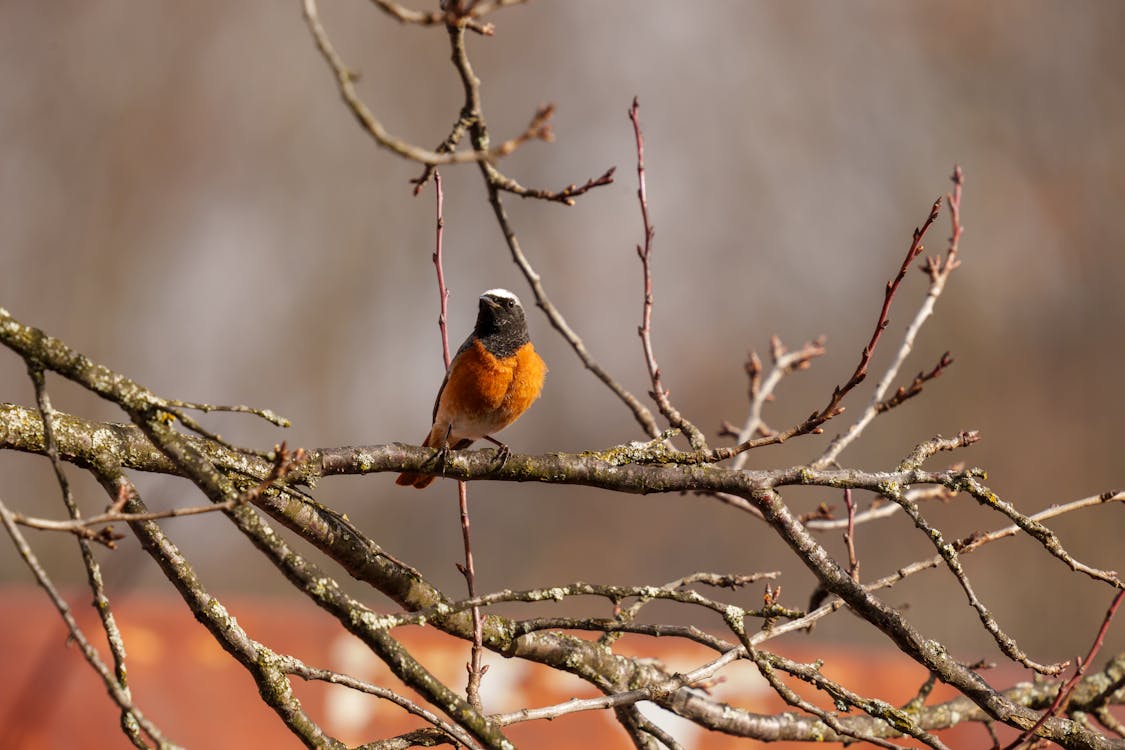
x=490 y=302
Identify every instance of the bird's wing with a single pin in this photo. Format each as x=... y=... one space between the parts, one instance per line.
x=467 y=343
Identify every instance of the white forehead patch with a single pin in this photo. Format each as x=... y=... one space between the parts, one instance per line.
x=504 y=293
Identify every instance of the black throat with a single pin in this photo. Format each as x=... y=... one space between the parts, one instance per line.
x=502 y=330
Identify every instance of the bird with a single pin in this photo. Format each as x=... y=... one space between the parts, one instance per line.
x=492 y=379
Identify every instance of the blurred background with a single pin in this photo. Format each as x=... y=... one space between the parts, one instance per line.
x=185 y=199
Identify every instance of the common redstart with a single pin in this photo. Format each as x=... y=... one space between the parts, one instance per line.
x=491 y=381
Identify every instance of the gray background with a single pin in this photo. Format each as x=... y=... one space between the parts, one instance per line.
x=184 y=198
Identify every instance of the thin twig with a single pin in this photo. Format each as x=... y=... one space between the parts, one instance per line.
x=84 y=527
x=443 y=291
x=345 y=81
x=939 y=273
x=296 y=667
x=762 y=389
x=813 y=424
x=478 y=129
x=116 y=690
x=669 y=592
x=266 y=414
x=454 y=15
x=904 y=393
x=879 y=509
x=658 y=393
x=1047 y=538
x=976 y=541
x=495 y=183
x=93 y=570
x=849 y=537
x=948 y=553
x=1067 y=689
x=475 y=669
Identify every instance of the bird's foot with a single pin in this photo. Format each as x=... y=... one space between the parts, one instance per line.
x=502 y=452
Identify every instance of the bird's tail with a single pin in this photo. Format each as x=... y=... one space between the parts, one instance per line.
x=422 y=481
x=419 y=481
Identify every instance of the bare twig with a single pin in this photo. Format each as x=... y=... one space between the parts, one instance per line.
x=565 y=196
x=443 y=290
x=658 y=393
x=813 y=423
x=849 y=537
x=117 y=690
x=879 y=509
x=640 y=411
x=762 y=389
x=948 y=553
x=452 y=13
x=266 y=414
x=939 y=273
x=1047 y=538
x=673 y=591
x=475 y=669
x=976 y=541
x=345 y=81
x=1067 y=689
x=905 y=393
x=296 y=667
x=101 y=602
x=472 y=121
x=85 y=527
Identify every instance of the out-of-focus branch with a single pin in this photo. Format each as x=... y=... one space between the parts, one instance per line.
x=784 y=362
x=345 y=81
x=452 y=12
x=101 y=602
x=897 y=720
x=444 y=729
x=1067 y=689
x=118 y=692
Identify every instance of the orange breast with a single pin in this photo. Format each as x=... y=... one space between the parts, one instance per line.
x=527 y=382
x=485 y=394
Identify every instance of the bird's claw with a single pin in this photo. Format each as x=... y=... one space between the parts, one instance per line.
x=502 y=454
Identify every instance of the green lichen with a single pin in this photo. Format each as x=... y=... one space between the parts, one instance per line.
x=736 y=617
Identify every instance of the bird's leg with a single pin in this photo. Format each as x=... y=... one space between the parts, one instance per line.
x=444 y=453
x=502 y=451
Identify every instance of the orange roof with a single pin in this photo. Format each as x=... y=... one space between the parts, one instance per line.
x=200 y=697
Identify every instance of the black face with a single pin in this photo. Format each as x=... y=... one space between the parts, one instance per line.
x=501 y=325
